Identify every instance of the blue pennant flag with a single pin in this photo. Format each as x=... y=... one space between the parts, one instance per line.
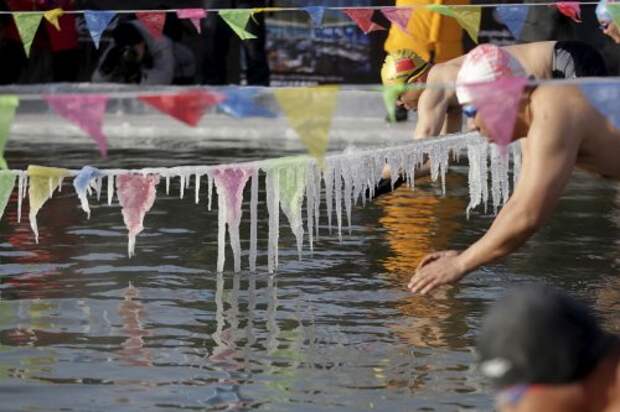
x=241 y=102
x=316 y=15
x=97 y=22
x=513 y=17
x=82 y=184
x=605 y=97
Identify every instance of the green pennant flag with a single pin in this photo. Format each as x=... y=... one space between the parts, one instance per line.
x=43 y=182
x=27 y=25
x=237 y=20
x=614 y=10
x=8 y=105
x=7 y=183
x=468 y=17
x=309 y=111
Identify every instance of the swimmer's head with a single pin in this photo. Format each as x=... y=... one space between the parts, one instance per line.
x=485 y=63
x=539 y=335
x=606 y=20
x=402 y=67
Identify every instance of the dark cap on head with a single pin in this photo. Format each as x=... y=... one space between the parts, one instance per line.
x=537 y=334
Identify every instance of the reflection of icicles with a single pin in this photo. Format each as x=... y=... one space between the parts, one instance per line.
x=273 y=209
x=338 y=193
x=253 y=220
x=197 y=189
x=328 y=178
x=292 y=188
x=516 y=162
x=110 y=188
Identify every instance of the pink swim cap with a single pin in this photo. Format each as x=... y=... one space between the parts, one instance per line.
x=485 y=63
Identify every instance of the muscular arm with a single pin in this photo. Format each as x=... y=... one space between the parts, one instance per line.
x=432 y=110
x=549 y=157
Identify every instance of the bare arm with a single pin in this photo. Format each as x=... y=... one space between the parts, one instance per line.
x=548 y=161
x=432 y=110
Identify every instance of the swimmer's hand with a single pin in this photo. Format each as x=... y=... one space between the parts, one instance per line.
x=436 y=269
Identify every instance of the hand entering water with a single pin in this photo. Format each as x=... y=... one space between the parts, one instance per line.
x=436 y=269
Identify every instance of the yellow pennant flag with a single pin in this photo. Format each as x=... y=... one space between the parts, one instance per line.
x=468 y=17
x=43 y=182
x=52 y=17
x=27 y=24
x=309 y=111
x=237 y=20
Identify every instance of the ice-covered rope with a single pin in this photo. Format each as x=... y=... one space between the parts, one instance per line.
x=341 y=182
x=303 y=9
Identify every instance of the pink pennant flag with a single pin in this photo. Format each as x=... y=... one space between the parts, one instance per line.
x=498 y=104
x=362 y=17
x=398 y=16
x=195 y=15
x=84 y=110
x=187 y=107
x=230 y=183
x=136 y=194
x=154 y=22
x=570 y=9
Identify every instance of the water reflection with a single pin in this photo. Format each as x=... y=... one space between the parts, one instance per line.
x=131 y=311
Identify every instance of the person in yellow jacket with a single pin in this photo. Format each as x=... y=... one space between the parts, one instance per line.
x=433 y=37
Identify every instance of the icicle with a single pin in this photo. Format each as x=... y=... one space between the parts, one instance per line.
x=230 y=182
x=328 y=178
x=197 y=189
x=98 y=187
x=182 y=186
x=110 y=189
x=221 y=232
x=273 y=209
x=167 y=184
x=317 y=199
x=50 y=186
x=310 y=199
x=475 y=177
x=187 y=179
x=253 y=221
x=20 y=196
x=496 y=170
x=60 y=182
x=348 y=193
x=338 y=193
x=292 y=188
x=209 y=191
x=516 y=162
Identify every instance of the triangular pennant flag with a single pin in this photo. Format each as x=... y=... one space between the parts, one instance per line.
x=83 y=183
x=230 y=182
x=136 y=194
x=53 y=15
x=292 y=189
x=362 y=17
x=27 y=25
x=85 y=111
x=7 y=183
x=8 y=105
x=614 y=11
x=468 y=17
x=43 y=182
x=309 y=111
x=390 y=95
x=570 y=9
x=187 y=107
x=513 y=17
x=97 y=22
x=153 y=21
x=605 y=97
x=195 y=15
x=398 y=16
x=237 y=20
x=498 y=104
x=241 y=102
x=316 y=15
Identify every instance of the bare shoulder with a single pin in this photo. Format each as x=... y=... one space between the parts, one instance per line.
x=445 y=72
x=560 y=100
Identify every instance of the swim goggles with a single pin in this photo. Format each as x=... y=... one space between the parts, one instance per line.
x=604 y=25
x=511 y=395
x=469 y=111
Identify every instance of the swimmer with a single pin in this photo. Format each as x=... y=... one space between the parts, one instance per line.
x=545 y=351
x=607 y=22
x=560 y=131
x=438 y=108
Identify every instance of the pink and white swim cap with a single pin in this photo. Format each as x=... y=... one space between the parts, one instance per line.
x=485 y=63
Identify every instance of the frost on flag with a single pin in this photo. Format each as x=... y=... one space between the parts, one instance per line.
x=136 y=194
x=194 y=15
x=513 y=17
x=399 y=17
x=43 y=182
x=316 y=14
x=187 y=107
x=8 y=106
x=85 y=111
x=97 y=22
x=570 y=9
x=27 y=25
x=83 y=183
x=7 y=183
x=468 y=17
x=237 y=20
x=605 y=97
x=53 y=15
x=153 y=21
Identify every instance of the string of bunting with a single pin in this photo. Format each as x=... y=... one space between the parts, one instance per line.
x=468 y=16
